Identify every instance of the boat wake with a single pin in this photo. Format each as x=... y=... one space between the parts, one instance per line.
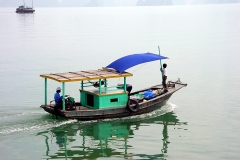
x=168 y=107
x=35 y=121
x=29 y=122
x=19 y=115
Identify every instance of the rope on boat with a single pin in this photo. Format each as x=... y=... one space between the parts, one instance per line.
x=139 y=67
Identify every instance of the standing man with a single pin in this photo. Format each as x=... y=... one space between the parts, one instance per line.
x=164 y=78
x=58 y=98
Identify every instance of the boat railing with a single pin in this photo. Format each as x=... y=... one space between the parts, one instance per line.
x=89 y=84
x=105 y=87
x=103 y=92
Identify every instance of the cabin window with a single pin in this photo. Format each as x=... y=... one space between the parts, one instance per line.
x=114 y=100
x=90 y=100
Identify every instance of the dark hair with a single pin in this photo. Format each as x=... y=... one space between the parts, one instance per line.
x=96 y=84
x=164 y=65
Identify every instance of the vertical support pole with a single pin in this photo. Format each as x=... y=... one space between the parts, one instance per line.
x=82 y=85
x=105 y=85
x=45 y=91
x=125 y=87
x=100 y=89
x=63 y=95
x=80 y=92
x=105 y=82
x=160 y=60
x=161 y=66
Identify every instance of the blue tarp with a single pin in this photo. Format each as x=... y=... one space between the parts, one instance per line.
x=129 y=61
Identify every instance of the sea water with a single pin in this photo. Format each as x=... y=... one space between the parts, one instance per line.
x=200 y=121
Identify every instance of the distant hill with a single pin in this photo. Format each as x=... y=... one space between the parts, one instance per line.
x=154 y=2
x=68 y=3
x=214 y=1
x=108 y=3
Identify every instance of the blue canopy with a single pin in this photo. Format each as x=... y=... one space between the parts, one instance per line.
x=129 y=61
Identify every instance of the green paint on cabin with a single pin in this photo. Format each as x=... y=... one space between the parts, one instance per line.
x=103 y=101
x=63 y=95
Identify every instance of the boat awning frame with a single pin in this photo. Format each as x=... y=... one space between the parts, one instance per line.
x=85 y=75
x=131 y=60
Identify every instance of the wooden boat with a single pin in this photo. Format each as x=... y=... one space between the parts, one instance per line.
x=109 y=101
x=24 y=9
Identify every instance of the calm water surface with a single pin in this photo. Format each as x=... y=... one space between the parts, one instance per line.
x=201 y=121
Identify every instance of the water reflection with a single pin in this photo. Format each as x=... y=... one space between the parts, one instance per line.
x=103 y=138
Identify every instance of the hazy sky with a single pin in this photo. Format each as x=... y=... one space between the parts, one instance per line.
x=105 y=3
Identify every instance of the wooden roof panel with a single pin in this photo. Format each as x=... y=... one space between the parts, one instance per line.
x=85 y=75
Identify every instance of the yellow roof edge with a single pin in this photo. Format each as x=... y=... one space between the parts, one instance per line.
x=49 y=78
x=85 y=79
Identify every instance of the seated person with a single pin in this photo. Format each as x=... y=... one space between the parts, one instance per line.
x=128 y=86
x=58 y=98
x=96 y=84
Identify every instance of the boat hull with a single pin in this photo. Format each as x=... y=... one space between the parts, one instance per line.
x=83 y=113
x=109 y=113
x=25 y=11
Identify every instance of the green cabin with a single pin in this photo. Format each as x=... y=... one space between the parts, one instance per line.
x=100 y=97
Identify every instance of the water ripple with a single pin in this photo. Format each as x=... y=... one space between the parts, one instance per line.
x=31 y=121
x=20 y=114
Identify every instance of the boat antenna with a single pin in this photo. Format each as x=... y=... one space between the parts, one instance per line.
x=24 y=3
x=32 y=3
